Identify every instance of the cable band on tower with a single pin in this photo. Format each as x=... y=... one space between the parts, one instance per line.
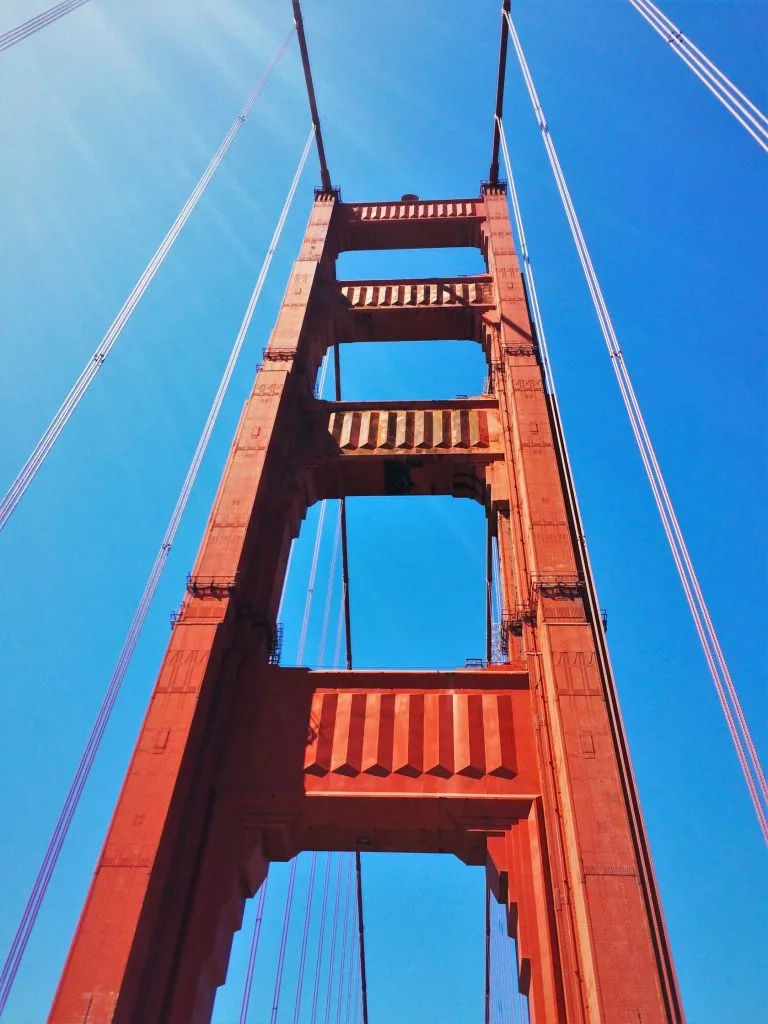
x=32 y=908
x=54 y=429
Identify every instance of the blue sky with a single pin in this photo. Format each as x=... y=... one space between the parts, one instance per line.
x=106 y=121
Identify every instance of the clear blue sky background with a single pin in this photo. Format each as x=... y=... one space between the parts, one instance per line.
x=106 y=121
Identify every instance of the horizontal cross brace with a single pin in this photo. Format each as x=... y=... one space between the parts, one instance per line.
x=414 y=310
x=411 y=225
x=440 y=428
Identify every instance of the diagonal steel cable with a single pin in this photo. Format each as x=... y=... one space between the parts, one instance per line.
x=39 y=453
x=32 y=25
x=248 y=985
x=724 y=686
x=722 y=88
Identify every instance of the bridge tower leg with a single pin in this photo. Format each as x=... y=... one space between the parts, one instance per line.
x=520 y=767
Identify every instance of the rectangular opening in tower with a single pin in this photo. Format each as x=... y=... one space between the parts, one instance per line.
x=456 y=261
x=417 y=585
x=412 y=371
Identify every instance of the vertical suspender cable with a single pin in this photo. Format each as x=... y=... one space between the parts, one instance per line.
x=283 y=942
x=315 y=552
x=248 y=986
x=722 y=88
x=313 y=863
x=361 y=937
x=343 y=514
x=726 y=691
x=290 y=553
x=489 y=589
x=339 y=634
x=19 y=944
x=320 y=938
x=334 y=936
x=353 y=989
x=54 y=429
x=305 y=938
x=28 y=28
x=311 y=586
x=487 y=1015
x=344 y=934
x=329 y=591
x=348 y=629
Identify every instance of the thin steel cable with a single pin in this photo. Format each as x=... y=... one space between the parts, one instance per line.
x=575 y=515
x=344 y=935
x=726 y=691
x=496 y=987
x=311 y=585
x=685 y=41
x=283 y=941
x=293 y=546
x=329 y=591
x=507 y=991
x=15 y=493
x=28 y=28
x=339 y=631
x=29 y=916
x=666 y=511
x=305 y=938
x=345 y=604
x=722 y=88
x=321 y=938
x=361 y=927
x=334 y=935
x=488 y=965
x=315 y=553
x=509 y=949
x=658 y=487
x=248 y=985
x=354 y=980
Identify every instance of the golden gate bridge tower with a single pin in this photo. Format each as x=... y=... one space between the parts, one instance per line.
x=521 y=767
x=518 y=764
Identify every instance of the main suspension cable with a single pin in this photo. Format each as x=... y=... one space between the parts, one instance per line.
x=28 y=28
x=726 y=691
x=722 y=88
x=29 y=916
x=54 y=429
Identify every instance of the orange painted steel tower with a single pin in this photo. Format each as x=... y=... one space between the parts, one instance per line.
x=521 y=767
